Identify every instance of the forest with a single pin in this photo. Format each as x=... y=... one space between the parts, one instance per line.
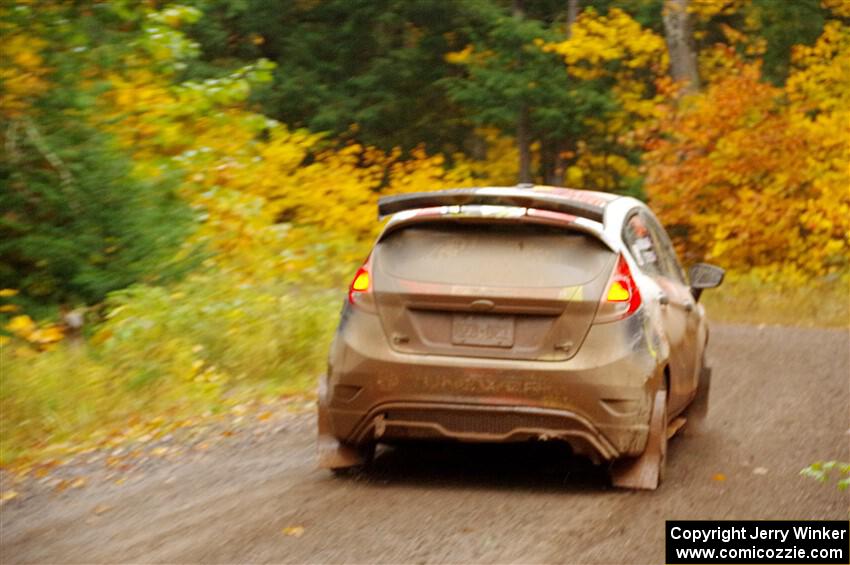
x=186 y=189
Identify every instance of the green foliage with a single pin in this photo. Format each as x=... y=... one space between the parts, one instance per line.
x=783 y=25
x=366 y=68
x=203 y=345
x=822 y=470
x=507 y=69
x=646 y=12
x=77 y=223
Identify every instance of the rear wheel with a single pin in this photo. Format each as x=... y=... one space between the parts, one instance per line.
x=658 y=430
x=697 y=411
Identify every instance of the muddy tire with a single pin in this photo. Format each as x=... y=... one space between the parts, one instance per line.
x=697 y=411
x=658 y=432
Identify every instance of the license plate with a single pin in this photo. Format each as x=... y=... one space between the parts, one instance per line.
x=476 y=329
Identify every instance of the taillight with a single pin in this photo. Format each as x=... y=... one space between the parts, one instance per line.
x=622 y=296
x=359 y=285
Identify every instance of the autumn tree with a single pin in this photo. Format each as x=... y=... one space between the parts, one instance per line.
x=513 y=82
x=753 y=176
x=613 y=50
x=77 y=222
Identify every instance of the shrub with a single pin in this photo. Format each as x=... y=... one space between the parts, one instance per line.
x=200 y=346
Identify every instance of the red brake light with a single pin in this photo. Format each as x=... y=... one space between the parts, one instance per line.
x=622 y=292
x=360 y=284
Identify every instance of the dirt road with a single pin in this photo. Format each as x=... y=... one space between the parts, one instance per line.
x=780 y=400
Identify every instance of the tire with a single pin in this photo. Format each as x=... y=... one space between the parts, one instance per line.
x=662 y=465
x=697 y=411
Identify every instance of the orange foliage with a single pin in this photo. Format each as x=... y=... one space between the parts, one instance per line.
x=753 y=176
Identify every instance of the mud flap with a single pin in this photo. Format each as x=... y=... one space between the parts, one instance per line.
x=336 y=455
x=698 y=410
x=646 y=471
x=333 y=454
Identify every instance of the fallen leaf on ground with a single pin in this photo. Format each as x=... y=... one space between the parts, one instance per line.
x=8 y=495
x=719 y=477
x=78 y=483
x=101 y=508
x=293 y=531
x=159 y=451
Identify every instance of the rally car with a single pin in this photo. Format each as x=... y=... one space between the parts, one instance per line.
x=508 y=314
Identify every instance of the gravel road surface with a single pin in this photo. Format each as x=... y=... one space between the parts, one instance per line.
x=780 y=400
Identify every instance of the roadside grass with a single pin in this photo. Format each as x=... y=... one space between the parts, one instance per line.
x=749 y=300
x=163 y=358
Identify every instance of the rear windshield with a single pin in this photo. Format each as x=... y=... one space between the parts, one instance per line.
x=492 y=255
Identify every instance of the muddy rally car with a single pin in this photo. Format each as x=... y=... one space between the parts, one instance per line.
x=518 y=314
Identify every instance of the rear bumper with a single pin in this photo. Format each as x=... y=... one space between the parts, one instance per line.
x=480 y=423
x=599 y=401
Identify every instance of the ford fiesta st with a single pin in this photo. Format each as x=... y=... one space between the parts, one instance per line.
x=517 y=314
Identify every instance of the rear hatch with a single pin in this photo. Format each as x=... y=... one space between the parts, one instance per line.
x=500 y=290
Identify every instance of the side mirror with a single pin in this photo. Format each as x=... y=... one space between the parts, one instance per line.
x=702 y=276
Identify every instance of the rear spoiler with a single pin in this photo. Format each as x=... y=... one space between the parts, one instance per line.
x=567 y=201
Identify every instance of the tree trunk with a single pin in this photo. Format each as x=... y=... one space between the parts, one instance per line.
x=518 y=9
x=572 y=14
x=523 y=132
x=680 y=44
x=552 y=162
x=523 y=139
x=559 y=167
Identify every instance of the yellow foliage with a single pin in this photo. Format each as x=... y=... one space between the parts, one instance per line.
x=273 y=201
x=22 y=72
x=708 y=9
x=595 y=42
x=460 y=57
x=500 y=167
x=21 y=326
x=41 y=337
x=840 y=8
x=596 y=39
